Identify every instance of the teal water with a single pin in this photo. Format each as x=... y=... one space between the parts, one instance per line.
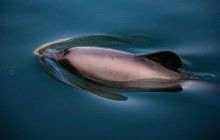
x=35 y=106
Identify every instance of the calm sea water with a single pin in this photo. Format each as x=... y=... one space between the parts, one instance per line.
x=34 y=106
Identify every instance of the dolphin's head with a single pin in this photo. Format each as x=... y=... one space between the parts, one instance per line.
x=52 y=55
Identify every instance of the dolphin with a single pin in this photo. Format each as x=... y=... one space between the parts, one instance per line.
x=119 y=69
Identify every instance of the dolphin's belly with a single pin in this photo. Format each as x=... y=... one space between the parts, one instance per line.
x=113 y=66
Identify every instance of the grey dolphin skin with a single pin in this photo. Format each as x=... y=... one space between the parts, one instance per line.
x=122 y=70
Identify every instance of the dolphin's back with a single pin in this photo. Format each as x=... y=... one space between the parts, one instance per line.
x=113 y=65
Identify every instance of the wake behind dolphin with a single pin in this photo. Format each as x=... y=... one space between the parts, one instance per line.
x=104 y=70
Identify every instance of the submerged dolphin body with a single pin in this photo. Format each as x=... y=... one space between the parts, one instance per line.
x=121 y=70
x=106 y=72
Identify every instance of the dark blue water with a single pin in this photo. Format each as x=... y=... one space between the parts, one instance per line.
x=35 y=106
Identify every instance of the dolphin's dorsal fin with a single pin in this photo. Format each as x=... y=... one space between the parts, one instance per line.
x=165 y=58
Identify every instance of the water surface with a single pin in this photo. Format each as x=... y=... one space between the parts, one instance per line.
x=35 y=106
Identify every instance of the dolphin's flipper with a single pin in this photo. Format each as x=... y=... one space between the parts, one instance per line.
x=112 y=96
x=104 y=94
x=95 y=90
x=165 y=58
